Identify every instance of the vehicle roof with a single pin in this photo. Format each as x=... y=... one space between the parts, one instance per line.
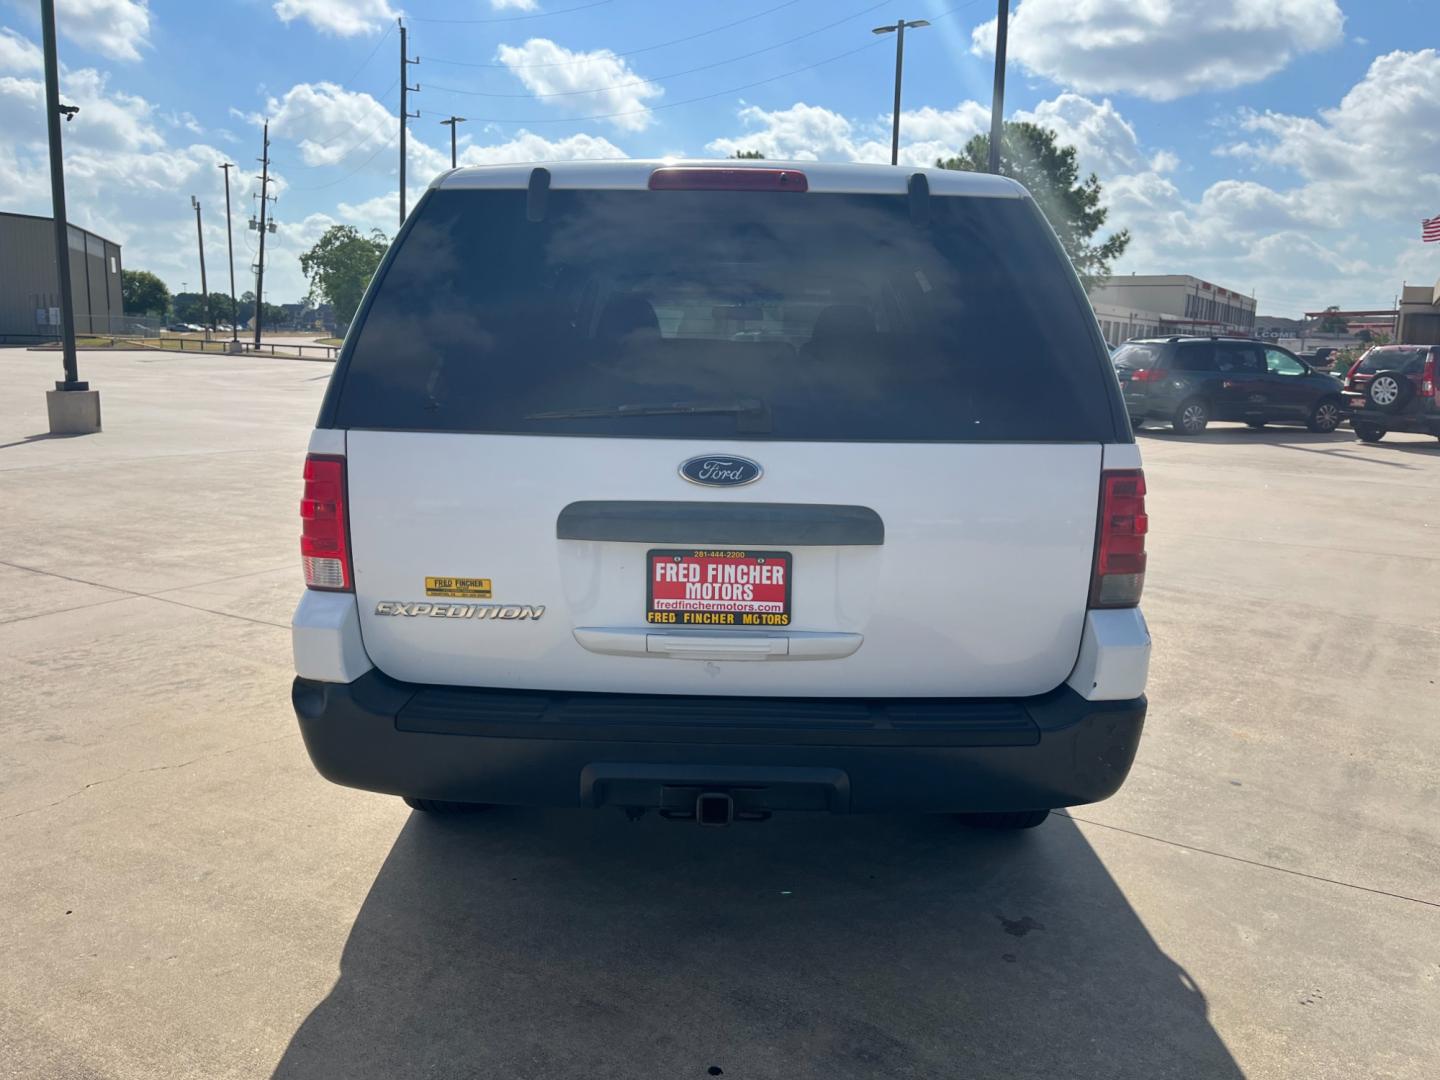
x=827 y=176
x=1164 y=339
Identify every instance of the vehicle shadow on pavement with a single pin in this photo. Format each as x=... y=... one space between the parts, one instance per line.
x=524 y=943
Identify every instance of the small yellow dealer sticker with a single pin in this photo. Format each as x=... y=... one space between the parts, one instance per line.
x=458 y=588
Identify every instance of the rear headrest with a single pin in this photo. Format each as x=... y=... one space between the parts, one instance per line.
x=624 y=315
x=839 y=321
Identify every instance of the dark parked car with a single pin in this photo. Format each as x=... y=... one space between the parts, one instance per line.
x=1189 y=381
x=1392 y=388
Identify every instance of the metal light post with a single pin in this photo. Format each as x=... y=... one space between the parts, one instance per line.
x=451 y=123
x=899 y=31
x=997 y=101
x=230 y=247
x=204 y=288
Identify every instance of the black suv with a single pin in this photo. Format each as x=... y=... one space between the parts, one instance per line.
x=1189 y=381
x=1392 y=388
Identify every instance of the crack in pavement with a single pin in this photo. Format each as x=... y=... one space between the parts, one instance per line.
x=1251 y=862
x=146 y=769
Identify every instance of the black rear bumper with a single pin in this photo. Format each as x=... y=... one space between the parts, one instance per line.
x=552 y=748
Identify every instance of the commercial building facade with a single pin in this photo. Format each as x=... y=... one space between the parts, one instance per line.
x=30 y=286
x=1173 y=303
x=1418 y=321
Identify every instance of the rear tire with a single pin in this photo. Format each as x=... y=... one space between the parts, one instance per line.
x=1255 y=425
x=1325 y=417
x=1009 y=819
x=1136 y=423
x=443 y=806
x=1191 y=417
x=1367 y=432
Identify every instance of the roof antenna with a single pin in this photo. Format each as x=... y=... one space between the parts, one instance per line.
x=538 y=196
x=919 y=189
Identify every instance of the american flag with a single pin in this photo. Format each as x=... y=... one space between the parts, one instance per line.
x=1430 y=230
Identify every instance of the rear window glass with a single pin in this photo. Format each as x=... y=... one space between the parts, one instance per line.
x=1405 y=360
x=1139 y=356
x=728 y=314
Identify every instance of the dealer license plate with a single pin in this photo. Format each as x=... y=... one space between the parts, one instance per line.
x=718 y=588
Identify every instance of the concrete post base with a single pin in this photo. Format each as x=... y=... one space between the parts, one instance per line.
x=234 y=347
x=73 y=412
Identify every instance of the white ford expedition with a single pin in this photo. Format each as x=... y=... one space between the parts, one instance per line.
x=722 y=489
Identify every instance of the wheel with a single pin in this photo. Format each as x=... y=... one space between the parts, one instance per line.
x=442 y=806
x=1325 y=417
x=1136 y=423
x=1389 y=391
x=1191 y=417
x=1367 y=432
x=1255 y=425
x=1009 y=819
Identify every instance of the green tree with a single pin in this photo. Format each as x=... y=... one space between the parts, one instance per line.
x=142 y=293
x=273 y=314
x=1032 y=155
x=748 y=155
x=1332 y=323
x=189 y=307
x=340 y=266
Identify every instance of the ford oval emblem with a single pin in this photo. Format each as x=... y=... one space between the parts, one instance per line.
x=721 y=470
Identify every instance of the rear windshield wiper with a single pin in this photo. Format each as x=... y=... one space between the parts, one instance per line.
x=751 y=414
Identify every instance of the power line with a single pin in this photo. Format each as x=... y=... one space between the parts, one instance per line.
x=511 y=18
x=673 y=104
x=643 y=48
x=378 y=151
x=672 y=74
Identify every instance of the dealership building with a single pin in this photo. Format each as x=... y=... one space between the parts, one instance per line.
x=30 y=287
x=1148 y=305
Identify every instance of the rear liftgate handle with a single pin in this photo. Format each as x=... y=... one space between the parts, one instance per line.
x=799 y=645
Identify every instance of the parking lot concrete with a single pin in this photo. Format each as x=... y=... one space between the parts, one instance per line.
x=182 y=896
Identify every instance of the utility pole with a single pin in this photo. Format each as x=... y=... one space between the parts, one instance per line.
x=204 y=288
x=230 y=249
x=405 y=90
x=454 y=120
x=265 y=197
x=997 y=100
x=899 y=31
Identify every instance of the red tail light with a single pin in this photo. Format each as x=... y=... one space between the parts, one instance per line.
x=710 y=178
x=325 y=525
x=1120 y=540
x=1350 y=375
x=1427 y=377
x=1145 y=375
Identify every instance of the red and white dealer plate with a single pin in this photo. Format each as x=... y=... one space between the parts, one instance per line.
x=689 y=587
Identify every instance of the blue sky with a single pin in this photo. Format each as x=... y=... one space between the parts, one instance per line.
x=1284 y=147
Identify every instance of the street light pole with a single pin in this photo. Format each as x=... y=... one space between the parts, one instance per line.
x=230 y=248
x=204 y=288
x=997 y=100
x=57 y=199
x=451 y=123
x=899 y=31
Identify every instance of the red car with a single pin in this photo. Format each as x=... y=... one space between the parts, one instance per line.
x=1392 y=388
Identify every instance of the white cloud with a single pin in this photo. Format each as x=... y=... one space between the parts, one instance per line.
x=331 y=125
x=1367 y=171
x=18 y=54
x=113 y=28
x=1104 y=140
x=514 y=5
x=583 y=82
x=345 y=18
x=1163 y=49
x=527 y=146
x=813 y=133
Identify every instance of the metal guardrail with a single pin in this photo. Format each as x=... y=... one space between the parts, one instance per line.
x=265 y=348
